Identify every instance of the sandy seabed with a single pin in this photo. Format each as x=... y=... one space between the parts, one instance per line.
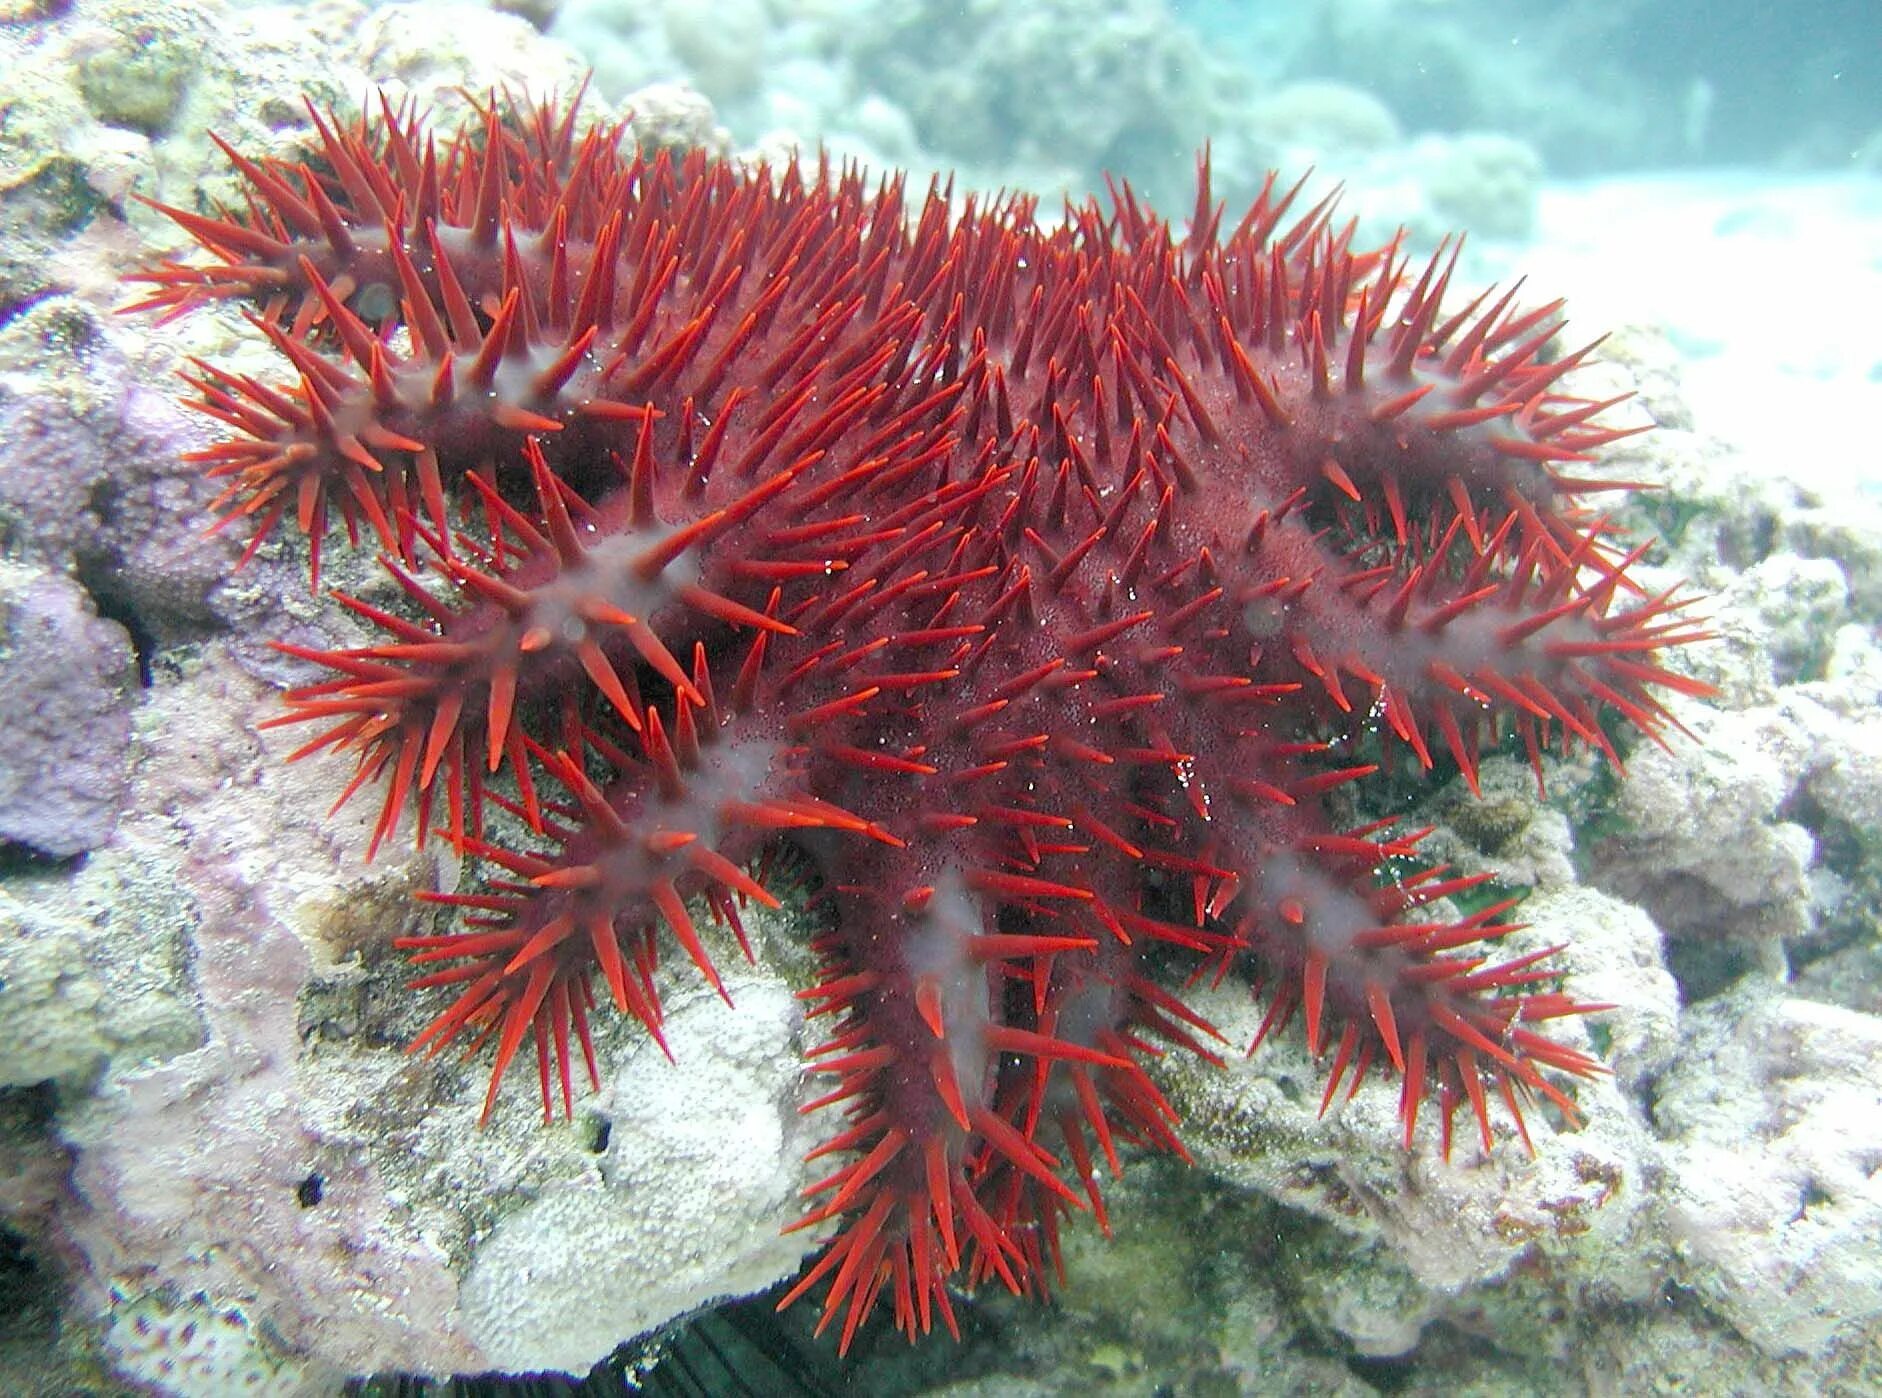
x=1769 y=287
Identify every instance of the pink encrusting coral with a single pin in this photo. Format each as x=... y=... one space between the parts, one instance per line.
x=1029 y=582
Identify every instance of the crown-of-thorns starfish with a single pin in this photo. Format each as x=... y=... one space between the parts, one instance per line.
x=1026 y=580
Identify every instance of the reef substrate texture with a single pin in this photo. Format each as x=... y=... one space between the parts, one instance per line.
x=1037 y=586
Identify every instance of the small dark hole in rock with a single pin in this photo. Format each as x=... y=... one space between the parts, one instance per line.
x=98 y=577
x=309 y=1190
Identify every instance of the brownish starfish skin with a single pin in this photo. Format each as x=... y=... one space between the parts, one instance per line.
x=1024 y=579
